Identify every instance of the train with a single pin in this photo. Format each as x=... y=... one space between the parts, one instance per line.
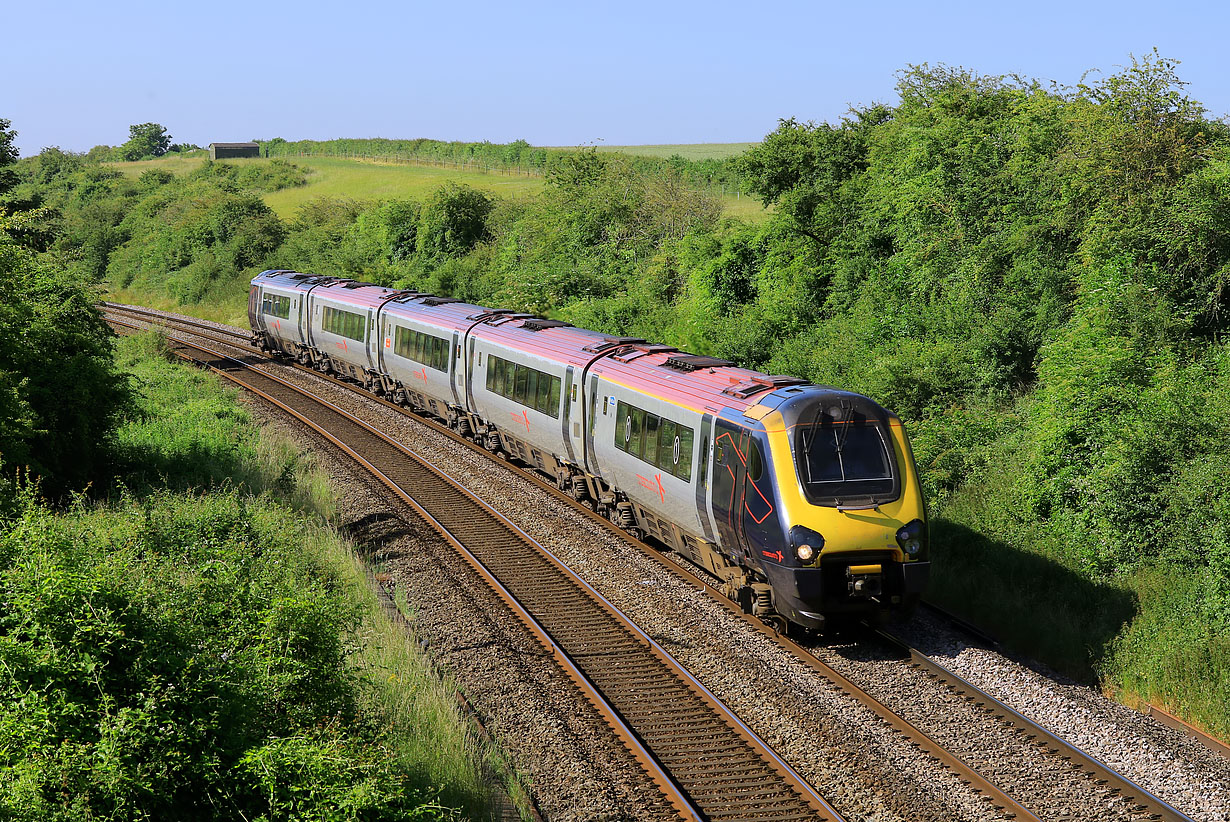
x=801 y=501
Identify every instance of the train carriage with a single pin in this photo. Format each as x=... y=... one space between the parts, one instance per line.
x=275 y=309
x=418 y=353
x=802 y=499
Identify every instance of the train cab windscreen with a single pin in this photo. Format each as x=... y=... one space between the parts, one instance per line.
x=846 y=461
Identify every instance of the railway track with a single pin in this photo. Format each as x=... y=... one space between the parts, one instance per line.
x=705 y=760
x=1142 y=804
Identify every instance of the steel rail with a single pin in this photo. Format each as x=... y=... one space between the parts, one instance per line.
x=1150 y=804
x=1092 y=767
x=1160 y=714
x=819 y=807
x=669 y=789
x=145 y=313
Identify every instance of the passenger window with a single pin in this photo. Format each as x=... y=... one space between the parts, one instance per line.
x=542 y=399
x=755 y=462
x=623 y=426
x=509 y=374
x=668 y=446
x=636 y=439
x=553 y=400
x=521 y=383
x=651 y=439
x=527 y=398
x=683 y=468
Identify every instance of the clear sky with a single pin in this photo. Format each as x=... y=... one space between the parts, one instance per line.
x=553 y=73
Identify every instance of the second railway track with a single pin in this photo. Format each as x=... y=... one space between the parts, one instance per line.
x=1138 y=803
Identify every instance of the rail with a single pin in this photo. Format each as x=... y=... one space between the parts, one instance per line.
x=1149 y=805
x=707 y=762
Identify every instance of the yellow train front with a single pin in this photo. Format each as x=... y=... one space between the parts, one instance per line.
x=820 y=496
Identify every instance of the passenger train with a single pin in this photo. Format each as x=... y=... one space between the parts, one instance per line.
x=803 y=500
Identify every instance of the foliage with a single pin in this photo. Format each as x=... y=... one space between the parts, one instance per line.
x=186 y=239
x=1034 y=277
x=60 y=394
x=453 y=221
x=145 y=140
x=184 y=657
x=8 y=156
x=706 y=172
x=209 y=655
x=272 y=176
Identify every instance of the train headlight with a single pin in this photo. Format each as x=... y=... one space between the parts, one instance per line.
x=806 y=544
x=911 y=537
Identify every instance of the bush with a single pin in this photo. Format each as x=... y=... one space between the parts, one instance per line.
x=60 y=394
x=184 y=657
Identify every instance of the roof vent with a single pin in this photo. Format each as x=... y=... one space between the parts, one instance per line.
x=357 y=284
x=755 y=385
x=694 y=362
x=608 y=343
x=638 y=351
x=488 y=313
x=439 y=300
x=538 y=324
x=507 y=318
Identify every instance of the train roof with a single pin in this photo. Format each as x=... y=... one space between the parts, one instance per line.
x=694 y=381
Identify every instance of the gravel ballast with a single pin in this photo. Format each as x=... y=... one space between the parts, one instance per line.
x=851 y=757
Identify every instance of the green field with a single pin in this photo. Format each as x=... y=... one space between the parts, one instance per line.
x=358 y=179
x=377 y=180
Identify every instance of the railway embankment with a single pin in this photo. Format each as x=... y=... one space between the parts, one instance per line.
x=195 y=639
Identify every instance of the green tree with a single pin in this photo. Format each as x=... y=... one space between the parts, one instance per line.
x=145 y=140
x=8 y=156
x=60 y=394
x=454 y=221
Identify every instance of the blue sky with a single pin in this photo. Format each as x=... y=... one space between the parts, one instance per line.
x=552 y=73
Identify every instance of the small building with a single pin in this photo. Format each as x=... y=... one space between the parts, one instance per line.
x=228 y=151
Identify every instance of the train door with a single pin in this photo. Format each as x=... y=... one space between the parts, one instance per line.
x=572 y=415
x=372 y=349
x=254 y=309
x=760 y=529
x=458 y=369
x=470 y=374
x=704 y=510
x=729 y=468
x=590 y=423
x=385 y=343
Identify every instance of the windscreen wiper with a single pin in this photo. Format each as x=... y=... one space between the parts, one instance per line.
x=809 y=439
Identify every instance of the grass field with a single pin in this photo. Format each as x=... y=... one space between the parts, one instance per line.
x=358 y=179
x=375 y=180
